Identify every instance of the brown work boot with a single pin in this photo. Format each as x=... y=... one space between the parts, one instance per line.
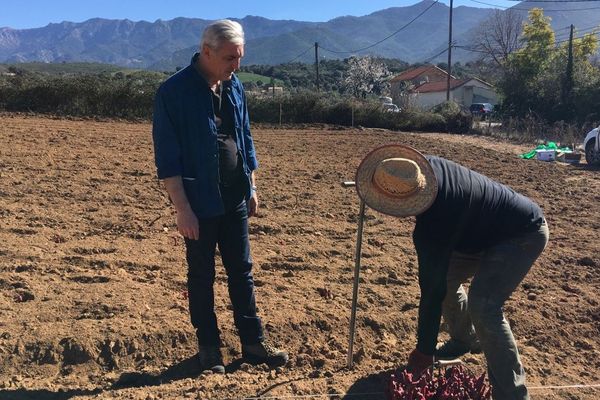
x=264 y=353
x=210 y=359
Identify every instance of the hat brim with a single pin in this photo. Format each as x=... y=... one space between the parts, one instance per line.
x=390 y=205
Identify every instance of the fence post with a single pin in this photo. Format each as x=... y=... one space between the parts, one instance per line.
x=280 y=112
x=352 y=122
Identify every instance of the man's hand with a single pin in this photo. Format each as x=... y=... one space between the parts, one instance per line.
x=418 y=362
x=253 y=205
x=187 y=224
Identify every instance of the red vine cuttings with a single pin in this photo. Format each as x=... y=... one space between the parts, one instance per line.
x=457 y=383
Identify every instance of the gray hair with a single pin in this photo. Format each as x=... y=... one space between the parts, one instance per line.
x=223 y=30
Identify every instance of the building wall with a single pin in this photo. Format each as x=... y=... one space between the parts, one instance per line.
x=465 y=95
x=484 y=95
x=426 y=101
x=471 y=92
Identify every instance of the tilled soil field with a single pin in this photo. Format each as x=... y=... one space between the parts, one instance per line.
x=92 y=270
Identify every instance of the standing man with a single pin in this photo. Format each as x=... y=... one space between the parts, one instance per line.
x=204 y=153
x=467 y=226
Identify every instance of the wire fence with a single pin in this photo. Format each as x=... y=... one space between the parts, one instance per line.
x=363 y=395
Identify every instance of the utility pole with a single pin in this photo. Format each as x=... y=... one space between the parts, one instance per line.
x=449 y=69
x=567 y=86
x=317 y=63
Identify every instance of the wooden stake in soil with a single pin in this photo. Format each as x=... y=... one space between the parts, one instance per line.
x=361 y=216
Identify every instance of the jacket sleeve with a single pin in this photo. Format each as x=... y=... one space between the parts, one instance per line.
x=248 y=141
x=167 y=151
x=434 y=257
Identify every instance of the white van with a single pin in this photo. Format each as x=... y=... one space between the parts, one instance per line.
x=591 y=146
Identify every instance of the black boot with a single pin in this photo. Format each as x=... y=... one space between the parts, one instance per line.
x=210 y=359
x=264 y=353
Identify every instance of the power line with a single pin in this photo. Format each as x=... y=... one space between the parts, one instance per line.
x=580 y=29
x=473 y=50
x=566 y=28
x=579 y=37
x=299 y=55
x=554 y=1
x=387 y=37
x=528 y=9
x=587 y=31
x=493 y=51
x=465 y=47
x=427 y=61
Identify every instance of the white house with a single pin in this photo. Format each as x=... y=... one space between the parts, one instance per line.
x=426 y=87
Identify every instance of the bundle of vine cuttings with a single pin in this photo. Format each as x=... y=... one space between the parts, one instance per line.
x=455 y=383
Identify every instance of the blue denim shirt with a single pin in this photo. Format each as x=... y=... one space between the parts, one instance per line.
x=185 y=136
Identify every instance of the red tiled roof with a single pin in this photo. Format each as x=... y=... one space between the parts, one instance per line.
x=413 y=73
x=430 y=87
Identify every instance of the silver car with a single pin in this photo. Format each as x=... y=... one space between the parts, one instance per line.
x=591 y=145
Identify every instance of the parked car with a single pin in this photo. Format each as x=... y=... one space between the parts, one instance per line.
x=591 y=146
x=481 y=109
x=390 y=107
x=385 y=100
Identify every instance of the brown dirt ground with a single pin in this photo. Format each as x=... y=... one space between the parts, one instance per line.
x=92 y=271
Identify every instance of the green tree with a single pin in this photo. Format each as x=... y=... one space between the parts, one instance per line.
x=533 y=74
x=538 y=38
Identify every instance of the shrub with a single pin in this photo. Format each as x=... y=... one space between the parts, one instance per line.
x=313 y=107
x=425 y=122
x=532 y=128
x=122 y=96
x=458 y=120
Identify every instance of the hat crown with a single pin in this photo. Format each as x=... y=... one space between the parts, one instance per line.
x=397 y=180
x=398 y=177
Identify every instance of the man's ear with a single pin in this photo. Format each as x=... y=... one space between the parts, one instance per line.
x=205 y=50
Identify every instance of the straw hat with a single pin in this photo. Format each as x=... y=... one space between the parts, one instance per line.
x=396 y=180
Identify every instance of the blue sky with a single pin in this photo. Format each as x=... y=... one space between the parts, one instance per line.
x=21 y=14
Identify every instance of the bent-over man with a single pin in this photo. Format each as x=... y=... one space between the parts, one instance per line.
x=468 y=226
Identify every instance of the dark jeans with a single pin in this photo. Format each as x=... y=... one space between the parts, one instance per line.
x=230 y=233
x=496 y=273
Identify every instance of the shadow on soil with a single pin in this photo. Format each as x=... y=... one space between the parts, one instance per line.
x=586 y=167
x=370 y=387
x=43 y=394
x=187 y=368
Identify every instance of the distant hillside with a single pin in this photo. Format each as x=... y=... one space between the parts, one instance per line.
x=119 y=42
x=98 y=68
x=165 y=45
x=66 y=68
x=339 y=37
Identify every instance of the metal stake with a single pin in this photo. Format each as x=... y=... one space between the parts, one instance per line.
x=356 y=277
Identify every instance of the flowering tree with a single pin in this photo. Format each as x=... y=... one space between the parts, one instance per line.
x=365 y=75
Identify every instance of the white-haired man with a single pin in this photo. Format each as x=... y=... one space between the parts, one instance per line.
x=205 y=155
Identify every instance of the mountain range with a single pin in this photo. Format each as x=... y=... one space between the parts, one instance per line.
x=416 y=33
